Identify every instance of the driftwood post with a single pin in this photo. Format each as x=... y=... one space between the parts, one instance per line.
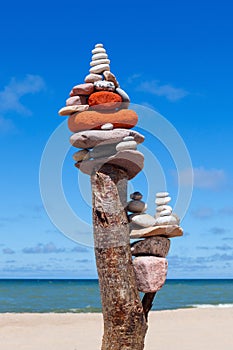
x=124 y=320
x=102 y=125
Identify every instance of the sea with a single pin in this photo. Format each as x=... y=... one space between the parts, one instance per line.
x=61 y=296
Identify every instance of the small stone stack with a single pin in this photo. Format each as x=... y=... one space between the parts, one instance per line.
x=150 y=264
x=101 y=121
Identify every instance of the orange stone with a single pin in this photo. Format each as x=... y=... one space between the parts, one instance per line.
x=87 y=120
x=103 y=100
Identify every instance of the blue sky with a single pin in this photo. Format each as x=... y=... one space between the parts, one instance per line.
x=172 y=56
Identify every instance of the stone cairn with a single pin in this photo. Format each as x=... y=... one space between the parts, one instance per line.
x=102 y=128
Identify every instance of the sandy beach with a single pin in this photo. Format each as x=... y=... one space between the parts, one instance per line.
x=186 y=329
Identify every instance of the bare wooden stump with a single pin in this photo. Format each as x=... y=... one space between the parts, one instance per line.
x=124 y=320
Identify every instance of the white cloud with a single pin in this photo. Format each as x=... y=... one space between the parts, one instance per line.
x=155 y=88
x=203 y=178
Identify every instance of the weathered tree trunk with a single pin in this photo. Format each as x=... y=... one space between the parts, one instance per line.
x=124 y=320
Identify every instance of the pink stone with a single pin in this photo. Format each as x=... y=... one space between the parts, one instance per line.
x=76 y=100
x=82 y=89
x=150 y=273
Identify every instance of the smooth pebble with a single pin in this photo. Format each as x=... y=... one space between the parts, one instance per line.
x=98 y=50
x=107 y=126
x=162 y=201
x=99 y=68
x=122 y=146
x=162 y=194
x=83 y=154
x=99 y=56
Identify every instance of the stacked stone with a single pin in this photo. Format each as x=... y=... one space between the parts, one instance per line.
x=150 y=262
x=101 y=121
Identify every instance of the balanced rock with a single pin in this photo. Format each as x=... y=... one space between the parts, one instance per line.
x=76 y=100
x=131 y=161
x=136 y=206
x=128 y=138
x=136 y=195
x=109 y=76
x=99 y=45
x=107 y=126
x=99 y=56
x=143 y=220
x=92 y=138
x=98 y=49
x=81 y=155
x=162 y=200
x=100 y=68
x=168 y=231
x=82 y=89
x=123 y=94
x=104 y=85
x=162 y=194
x=68 y=110
x=150 y=272
x=88 y=120
x=166 y=220
x=100 y=61
x=160 y=208
x=103 y=151
x=165 y=212
x=124 y=145
x=103 y=100
x=157 y=246
x=91 y=78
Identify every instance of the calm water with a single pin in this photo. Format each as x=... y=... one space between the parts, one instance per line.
x=83 y=295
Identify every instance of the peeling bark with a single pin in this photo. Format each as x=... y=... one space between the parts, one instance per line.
x=124 y=320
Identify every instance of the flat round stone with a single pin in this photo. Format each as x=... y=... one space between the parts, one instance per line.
x=99 y=68
x=143 y=220
x=162 y=201
x=100 y=61
x=92 y=138
x=162 y=194
x=81 y=155
x=168 y=231
x=131 y=161
x=99 y=56
x=91 y=78
x=124 y=145
x=128 y=138
x=98 y=50
x=166 y=220
x=165 y=212
x=160 y=208
x=136 y=195
x=76 y=100
x=104 y=85
x=156 y=246
x=136 y=206
x=103 y=151
x=99 y=45
x=82 y=89
x=68 y=110
x=107 y=126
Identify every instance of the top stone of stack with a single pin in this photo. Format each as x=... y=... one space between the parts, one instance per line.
x=100 y=61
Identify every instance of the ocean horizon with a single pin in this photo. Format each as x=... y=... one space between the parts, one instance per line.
x=82 y=295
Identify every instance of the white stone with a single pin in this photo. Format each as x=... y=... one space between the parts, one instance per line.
x=160 y=208
x=176 y=217
x=162 y=201
x=165 y=212
x=83 y=154
x=100 y=68
x=128 y=138
x=166 y=220
x=122 y=146
x=104 y=85
x=100 y=61
x=98 y=50
x=162 y=194
x=91 y=78
x=72 y=109
x=99 y=45
x=143 y=220
x=107 y=126
x=99 y=56
x=123 y=94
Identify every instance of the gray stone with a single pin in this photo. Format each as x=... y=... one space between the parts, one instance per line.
x=143 y=220
x=150 y=273
x=128 y=138
x=92 y=138
x=162 y=201
x=131 y=161
x=99 y=56
x=100 y=61
x=104 y=86
x=109 y=76
x=107 y=126
x=157 y=246
x=103 y=151
x=123 y=94
x=99 y=68
x=136 y=206
x=160 y=208
x=168 y=231
x=166 y=220
x=91 y=78
x=165 y=212
x=76 y=100
x=162 y=194
x=124 y=145
x=136 y=195
x=81 y=155
x=98 y=50
x=73 y=109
